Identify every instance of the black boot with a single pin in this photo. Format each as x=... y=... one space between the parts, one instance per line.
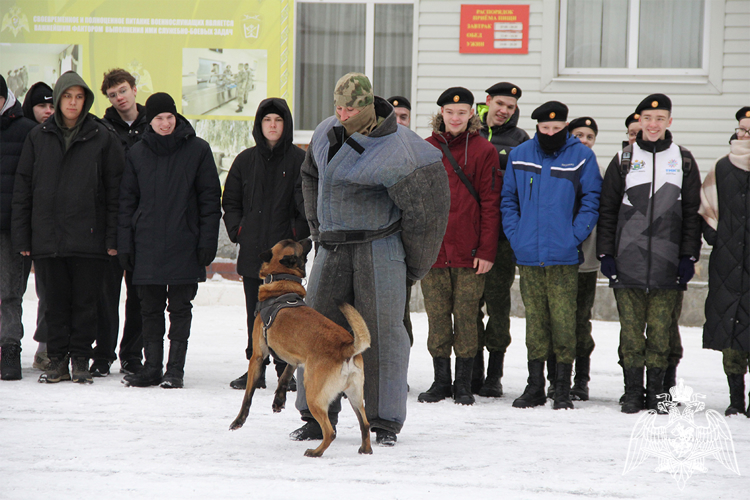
x=670 y=377
x=492 y=387
x=477 y=373
x=462 y=386
x=736 y=395
x=551 y=376
x=311 y=430
x=633 y=402
x=580 y=390
x=533 y=395
x=625 y=383
x=10 y=362
x=562 y=387
x=152 y=368
x=441 y=387
x=81 y=373
x=654 y=387
x=173 y=379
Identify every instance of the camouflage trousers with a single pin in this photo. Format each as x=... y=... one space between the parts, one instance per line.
x=452 y=291
x=652 y=312
x=584 y=305
x=735 y=362
x=675 y=340
x=496 y=335
x=549 y=296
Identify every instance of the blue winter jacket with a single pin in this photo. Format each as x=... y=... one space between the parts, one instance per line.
x=550 y=203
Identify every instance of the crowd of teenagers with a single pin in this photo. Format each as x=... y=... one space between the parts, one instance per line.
x=136 y=193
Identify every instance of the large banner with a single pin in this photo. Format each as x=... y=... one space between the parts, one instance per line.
x=217 y=58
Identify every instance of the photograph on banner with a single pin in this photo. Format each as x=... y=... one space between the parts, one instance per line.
x=23 y=64
x=223 y=82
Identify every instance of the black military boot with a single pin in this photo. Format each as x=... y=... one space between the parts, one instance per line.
x=10 y=362
x=533 y=395
x=173 y=379
x=670 y=377
x=441 y=387
x=462 y=386
x=492 y=387
x=551 y=376
x=736 y=395
x=312 y=431
x=654 y=387
x=81 y=373
x=625 y=388
x=580 y=389
x=633 y=397
x=477 y=373
x=562 y=387
x=57 y=370
x=152 y=368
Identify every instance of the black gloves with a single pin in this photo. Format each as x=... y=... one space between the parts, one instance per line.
x=685 y=270
x=609 y=269
x=206 y=256
x=127 y=261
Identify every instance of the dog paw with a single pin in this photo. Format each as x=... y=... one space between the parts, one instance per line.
x=277 y=407
x=313 y=453
x=236 y=425
x=365 y=451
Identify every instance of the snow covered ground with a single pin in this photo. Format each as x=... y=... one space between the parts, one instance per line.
x=110 y=442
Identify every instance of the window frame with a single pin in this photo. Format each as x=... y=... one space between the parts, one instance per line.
x=304 y=136
x=632 y=68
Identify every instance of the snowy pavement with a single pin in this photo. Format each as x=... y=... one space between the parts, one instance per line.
x=110 y=442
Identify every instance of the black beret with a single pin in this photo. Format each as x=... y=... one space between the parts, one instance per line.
x=743 y=113
x=584 y=121
x=505 y=88
x=456 y=95
x=654 y=101
x=159 y=103
x=551 y=111
x=399 y=101
x=634 y=117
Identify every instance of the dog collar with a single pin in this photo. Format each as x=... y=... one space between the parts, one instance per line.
x=281 y=277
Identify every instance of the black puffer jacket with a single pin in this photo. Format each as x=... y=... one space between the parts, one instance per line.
x=13 y=131
x=169 y=206
x=263 y=201
x=128 y=134
x=65 y=201
x=728 y=302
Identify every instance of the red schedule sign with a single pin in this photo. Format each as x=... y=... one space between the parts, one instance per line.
x=494 y=29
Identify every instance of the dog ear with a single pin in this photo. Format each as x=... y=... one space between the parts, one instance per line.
x=266 y=256
x=289 y=261
x=306 y=246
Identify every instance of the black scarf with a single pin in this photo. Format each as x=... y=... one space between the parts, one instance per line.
x=551 y=143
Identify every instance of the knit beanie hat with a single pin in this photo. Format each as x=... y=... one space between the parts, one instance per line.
x=158 y=103
x=41 y=94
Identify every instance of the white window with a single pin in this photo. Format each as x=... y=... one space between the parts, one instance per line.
x=634 y=37
x=374 y=37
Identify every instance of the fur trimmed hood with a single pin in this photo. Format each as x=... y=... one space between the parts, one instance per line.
x=438 y=126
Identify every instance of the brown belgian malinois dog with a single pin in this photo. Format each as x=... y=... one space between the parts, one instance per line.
x=302 y=336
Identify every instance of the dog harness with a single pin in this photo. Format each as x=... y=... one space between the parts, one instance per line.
x=268 y=309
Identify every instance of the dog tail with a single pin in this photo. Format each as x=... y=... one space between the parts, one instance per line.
x=361 y=333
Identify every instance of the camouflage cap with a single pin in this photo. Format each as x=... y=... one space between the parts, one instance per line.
x=353 y=90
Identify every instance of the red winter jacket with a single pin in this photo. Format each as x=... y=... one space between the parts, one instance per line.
x=472 y=230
